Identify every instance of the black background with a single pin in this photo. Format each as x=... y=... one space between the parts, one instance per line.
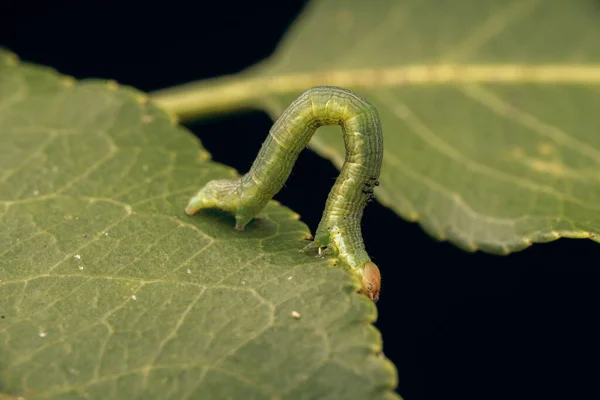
x=456 y=325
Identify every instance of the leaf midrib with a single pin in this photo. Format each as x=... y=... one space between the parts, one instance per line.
x=252 y=87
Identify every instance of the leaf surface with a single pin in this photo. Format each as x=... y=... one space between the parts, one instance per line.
x=108 y=290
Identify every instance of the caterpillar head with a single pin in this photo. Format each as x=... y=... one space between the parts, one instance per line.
x=371 y=281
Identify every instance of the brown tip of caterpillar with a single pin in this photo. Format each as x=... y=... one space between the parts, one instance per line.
x=371 y=281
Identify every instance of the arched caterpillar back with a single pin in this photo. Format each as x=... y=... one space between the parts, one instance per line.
x=339 y=229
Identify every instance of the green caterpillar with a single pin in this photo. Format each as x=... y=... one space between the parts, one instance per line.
x=339 y=230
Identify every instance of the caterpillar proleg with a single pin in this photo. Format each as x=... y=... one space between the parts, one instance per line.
x=339 y=230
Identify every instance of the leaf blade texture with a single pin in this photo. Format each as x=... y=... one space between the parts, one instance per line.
x=107 y=289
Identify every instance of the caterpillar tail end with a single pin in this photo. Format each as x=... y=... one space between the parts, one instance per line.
x=224 y=194
x=195 y=204
x=371 y=281
x=215 y=194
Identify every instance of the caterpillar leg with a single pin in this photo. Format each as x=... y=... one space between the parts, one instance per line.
x=321 y=249
x=321 y=244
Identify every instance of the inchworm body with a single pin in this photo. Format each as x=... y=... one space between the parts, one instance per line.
x=339 y=230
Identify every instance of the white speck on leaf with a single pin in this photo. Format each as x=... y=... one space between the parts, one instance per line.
x=290 y=278
x=296 y=314
x=133 y=297
x=189 y=271
x=243 y=282
x=42 y=334
x=77 y=256
x=105 y=233
x=81 y=267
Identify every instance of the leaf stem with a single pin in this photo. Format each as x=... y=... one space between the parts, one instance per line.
x=255 y=86
x=211 y=96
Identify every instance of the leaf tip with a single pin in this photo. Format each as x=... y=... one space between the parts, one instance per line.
x=12 y=60
x=68 y=81
x=141 y=98
x=112 y=84
x=234 y=173
x=205 y=155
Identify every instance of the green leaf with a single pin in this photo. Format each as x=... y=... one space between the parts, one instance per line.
x=493 y=164
x=108 y=290
x=489 y=109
